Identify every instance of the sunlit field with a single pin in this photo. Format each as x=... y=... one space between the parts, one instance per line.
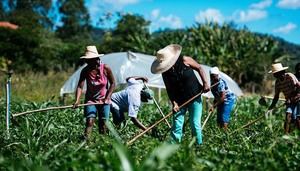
x=51 y=141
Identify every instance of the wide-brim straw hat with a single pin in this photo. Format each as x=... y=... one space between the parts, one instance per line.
x=277 y=67
x=91 y=52
x=165 y=58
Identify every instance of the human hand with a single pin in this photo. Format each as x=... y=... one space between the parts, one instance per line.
x=75 y=105
x=270 y=107
x=175 y=107
x=211 y=109
x=206 y=88
x=107 y=100
x=145 y=79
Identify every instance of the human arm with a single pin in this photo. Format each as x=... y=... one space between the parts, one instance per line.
x=137 y=123
x=144 y=79
x=197 y=67
x=215 y=104
x=79 y=89
x=275 y=99
x=112 y=83
x=170 y=91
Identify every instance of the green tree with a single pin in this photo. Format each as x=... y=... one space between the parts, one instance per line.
x=32 y=46
x=75 y=20
x=29 y=13
x=131 y=33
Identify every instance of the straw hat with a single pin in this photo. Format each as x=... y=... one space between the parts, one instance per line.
x=91 y=52
x=165 y=58
x=214 y=70
x=277 y=67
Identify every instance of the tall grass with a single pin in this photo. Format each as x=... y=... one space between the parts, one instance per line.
x=35 y=87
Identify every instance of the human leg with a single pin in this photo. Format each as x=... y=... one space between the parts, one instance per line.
x=228 y=106
x=297 y=113
x=195 y=112
x=176 y=130
x=118 y=116
x=103 y=116
x=287 y=122
x=90 y=114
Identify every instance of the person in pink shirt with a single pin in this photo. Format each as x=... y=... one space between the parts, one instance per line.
x=100 y=85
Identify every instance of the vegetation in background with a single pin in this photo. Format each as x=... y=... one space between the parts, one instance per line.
x=40 y=45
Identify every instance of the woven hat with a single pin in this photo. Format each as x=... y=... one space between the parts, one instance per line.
x=277 y=67
x=165 y=58
x=214 y=70
x=91 y=52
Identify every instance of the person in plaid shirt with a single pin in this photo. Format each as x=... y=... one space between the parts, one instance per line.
x=290 y=86
x=297 y=71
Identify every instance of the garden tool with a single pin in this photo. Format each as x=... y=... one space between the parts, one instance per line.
x=262 y=100
x=51 y=108
x=162 y=119
x=159 y=109
x=257 y=119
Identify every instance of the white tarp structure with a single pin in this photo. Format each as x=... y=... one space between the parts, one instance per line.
x=125 y=64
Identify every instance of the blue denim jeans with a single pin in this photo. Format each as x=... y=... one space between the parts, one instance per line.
x=294 y=109
x=118 y=115
x=195 y=111
x=102 y=110
x=224 y=110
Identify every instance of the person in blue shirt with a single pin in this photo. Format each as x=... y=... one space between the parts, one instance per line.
x=224 y=99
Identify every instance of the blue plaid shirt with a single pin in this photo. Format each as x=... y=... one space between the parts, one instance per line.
x=221 y=87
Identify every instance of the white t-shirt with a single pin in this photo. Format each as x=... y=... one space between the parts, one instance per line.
x=129 y=99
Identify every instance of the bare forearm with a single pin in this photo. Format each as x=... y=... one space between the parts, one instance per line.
x=137 y=78
x=274 y=101
x=202 y=75
x=137 y=123
x=78 y=94
x=110 y=90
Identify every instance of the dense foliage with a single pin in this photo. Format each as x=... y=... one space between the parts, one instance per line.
x=50 y=141
x=40 y=44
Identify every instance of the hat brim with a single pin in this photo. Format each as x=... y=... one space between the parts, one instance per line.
x=91 y=56
x=158 y=67
x=272 y=72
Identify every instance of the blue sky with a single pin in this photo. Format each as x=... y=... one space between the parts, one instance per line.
x=277 y=17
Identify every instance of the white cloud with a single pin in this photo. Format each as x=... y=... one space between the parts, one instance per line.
x=119 y=4
x=171 y=21
x=209 y=15
x=155 y=13
x=249 y=15
x=290 y=4
x=285 y=29
x=262 y=4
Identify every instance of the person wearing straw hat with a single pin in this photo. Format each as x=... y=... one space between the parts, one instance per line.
x=181 y=85
x=129 y=100
x=100 y=85
x=224 y=99
x=288 y=84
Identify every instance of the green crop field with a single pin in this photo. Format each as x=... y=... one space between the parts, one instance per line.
x=51 y=141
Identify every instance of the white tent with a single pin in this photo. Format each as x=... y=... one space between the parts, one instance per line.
x=125 y=64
